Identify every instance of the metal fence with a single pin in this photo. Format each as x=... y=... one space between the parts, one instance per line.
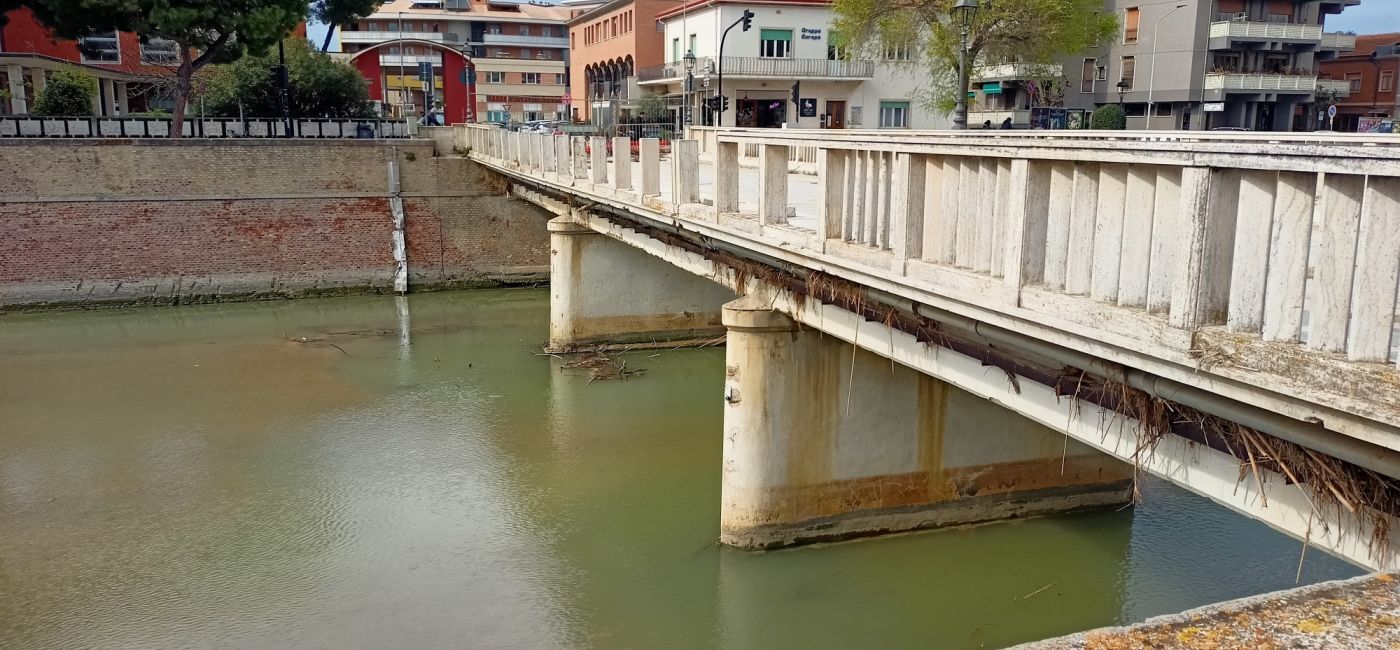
x=21 y=126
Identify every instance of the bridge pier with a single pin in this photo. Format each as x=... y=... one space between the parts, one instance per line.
x=603 y=291
x=822 y=444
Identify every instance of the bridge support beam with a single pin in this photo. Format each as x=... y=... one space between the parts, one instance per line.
x=604 y=291
x=823 y=444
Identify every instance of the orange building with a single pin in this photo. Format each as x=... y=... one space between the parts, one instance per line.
x=1371 y=72
x=607 y=45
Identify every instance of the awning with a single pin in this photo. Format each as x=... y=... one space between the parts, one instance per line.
x=993 y=88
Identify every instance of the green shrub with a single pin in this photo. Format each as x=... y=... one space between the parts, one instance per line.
x=67 y=92
x=1109 y=118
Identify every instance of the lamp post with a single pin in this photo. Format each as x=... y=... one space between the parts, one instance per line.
x=1122 y=90
x=689 y=85
x=1152 y=74
x=964 y=12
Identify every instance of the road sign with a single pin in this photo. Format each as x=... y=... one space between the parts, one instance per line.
x=568 y=98
x=1332 y=111
x=425 y=71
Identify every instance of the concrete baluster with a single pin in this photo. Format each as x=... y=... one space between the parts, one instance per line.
x=907 y=189
x=649 y=151
x=1057 y=222
x=1201 y=292
x=1134 y=265
x=1288 y=256
x=685 y=172
x=1000 y=217
x=985 y=219
x=772 y=184
x=1377 y=272
x=581 y=165
x=831 y=177
x=1250 y=259
x=852 y=228
x=1079 y=261
x=622 y=162
x=563 y=160
x=726 y=178
x=598 y=158
x=1108 y=233
x=932 y=230
x=876 y=182
x=969 y=197
x=1027 y=203
x=1166 y=215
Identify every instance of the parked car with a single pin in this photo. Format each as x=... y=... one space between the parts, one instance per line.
x=1232 y=128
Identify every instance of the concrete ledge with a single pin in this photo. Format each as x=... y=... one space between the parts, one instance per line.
x=959 y=512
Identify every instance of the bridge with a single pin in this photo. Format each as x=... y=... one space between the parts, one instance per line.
x=944 y=328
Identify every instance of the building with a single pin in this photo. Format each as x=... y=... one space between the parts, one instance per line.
x=1203 y=64
x=1370 y=72
x=127 y=70
x=790 y=43
x=519 y=53
x=607 y=45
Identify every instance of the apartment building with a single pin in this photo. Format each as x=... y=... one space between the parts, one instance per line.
x=1204 y=64
x=500 y=60
x=789 y=42
x=1371 y=72
x=608 y=43
x=123 y=65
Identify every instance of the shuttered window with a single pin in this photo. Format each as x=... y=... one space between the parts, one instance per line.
x=775 y=43
x=1130 y=25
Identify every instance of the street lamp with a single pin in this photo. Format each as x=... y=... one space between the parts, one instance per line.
x=964 y=11
x=689 y=85
x=1122 y=90
x=1152 y=74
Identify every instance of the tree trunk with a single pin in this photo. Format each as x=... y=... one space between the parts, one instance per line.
x=326 y=45
x=184 y=81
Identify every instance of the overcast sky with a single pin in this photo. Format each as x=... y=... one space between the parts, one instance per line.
x=1369 y=17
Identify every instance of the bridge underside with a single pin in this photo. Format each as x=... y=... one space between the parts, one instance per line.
x=853 y=412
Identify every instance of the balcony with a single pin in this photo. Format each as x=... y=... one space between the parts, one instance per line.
x=1339 y=87
x=1015 y=72
x=408 y=59
x=1338 y=41
x=1225 y=32
x=380 y=37
x=516 y=39
x=1261 y=82
x=753 y=67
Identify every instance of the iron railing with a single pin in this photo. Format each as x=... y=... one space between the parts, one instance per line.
x=756 y=66
x=24 y=126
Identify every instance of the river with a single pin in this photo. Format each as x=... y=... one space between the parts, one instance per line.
x=374 y=472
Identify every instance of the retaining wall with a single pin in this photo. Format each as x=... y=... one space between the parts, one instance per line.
x=86 y=222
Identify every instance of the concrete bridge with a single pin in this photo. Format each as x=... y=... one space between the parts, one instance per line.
x=952 y=328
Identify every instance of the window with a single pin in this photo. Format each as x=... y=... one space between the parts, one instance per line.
x=100 y=48
x=894 y=115
x=559 y=79
x=543 y=55
x=160 y=51
x=529 y=77
x=1101 y=73
x=1129 y=68
x=408 y=49
x=494 y=28
x=495 y=77
x=1163 y=109
x=1387 y=83
x=1130 y=25
x=524 y=52
x=1355 y=79
x=775 y=43
x=692 y=44
x=675 y=50
x=1186 y=118
x=1087 y=73
x=524 y=30
x=392 y=26
x=897 y=52
x=1135 y=110
x=497 y=116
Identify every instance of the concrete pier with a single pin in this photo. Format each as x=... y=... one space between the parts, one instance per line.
x=822 y=444
x=603 y=291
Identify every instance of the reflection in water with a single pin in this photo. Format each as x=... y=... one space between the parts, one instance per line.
x=380 y=472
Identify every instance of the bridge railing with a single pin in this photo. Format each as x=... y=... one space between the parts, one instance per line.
x=1279 y=254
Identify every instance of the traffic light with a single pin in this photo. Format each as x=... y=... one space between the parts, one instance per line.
x=723 y=103
x=748 y=19
x=796 y=92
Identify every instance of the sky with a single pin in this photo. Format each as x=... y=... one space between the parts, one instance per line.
x=1369 y=17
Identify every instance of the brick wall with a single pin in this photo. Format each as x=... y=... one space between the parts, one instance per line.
x=128 y=221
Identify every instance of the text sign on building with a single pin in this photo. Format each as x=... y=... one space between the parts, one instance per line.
x=807 y=107
x=1215 y=107
x=811 y=34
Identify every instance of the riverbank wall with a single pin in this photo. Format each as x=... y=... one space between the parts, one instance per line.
x=98 y=222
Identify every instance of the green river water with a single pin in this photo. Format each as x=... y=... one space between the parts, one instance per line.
x=414 y=475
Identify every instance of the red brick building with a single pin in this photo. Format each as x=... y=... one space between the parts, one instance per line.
x=1373 y=69
x=124 y=66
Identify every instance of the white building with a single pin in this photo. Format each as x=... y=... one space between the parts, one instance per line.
x=790 y=41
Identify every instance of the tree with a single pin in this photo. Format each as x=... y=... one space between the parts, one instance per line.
x=652 y=108
x=204 y=32
x=336 y=12
x=1109 y=118
x=1003 y=31
x=67 y=92
x=320 y=86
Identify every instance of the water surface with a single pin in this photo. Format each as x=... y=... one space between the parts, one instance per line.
x=379 y=472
